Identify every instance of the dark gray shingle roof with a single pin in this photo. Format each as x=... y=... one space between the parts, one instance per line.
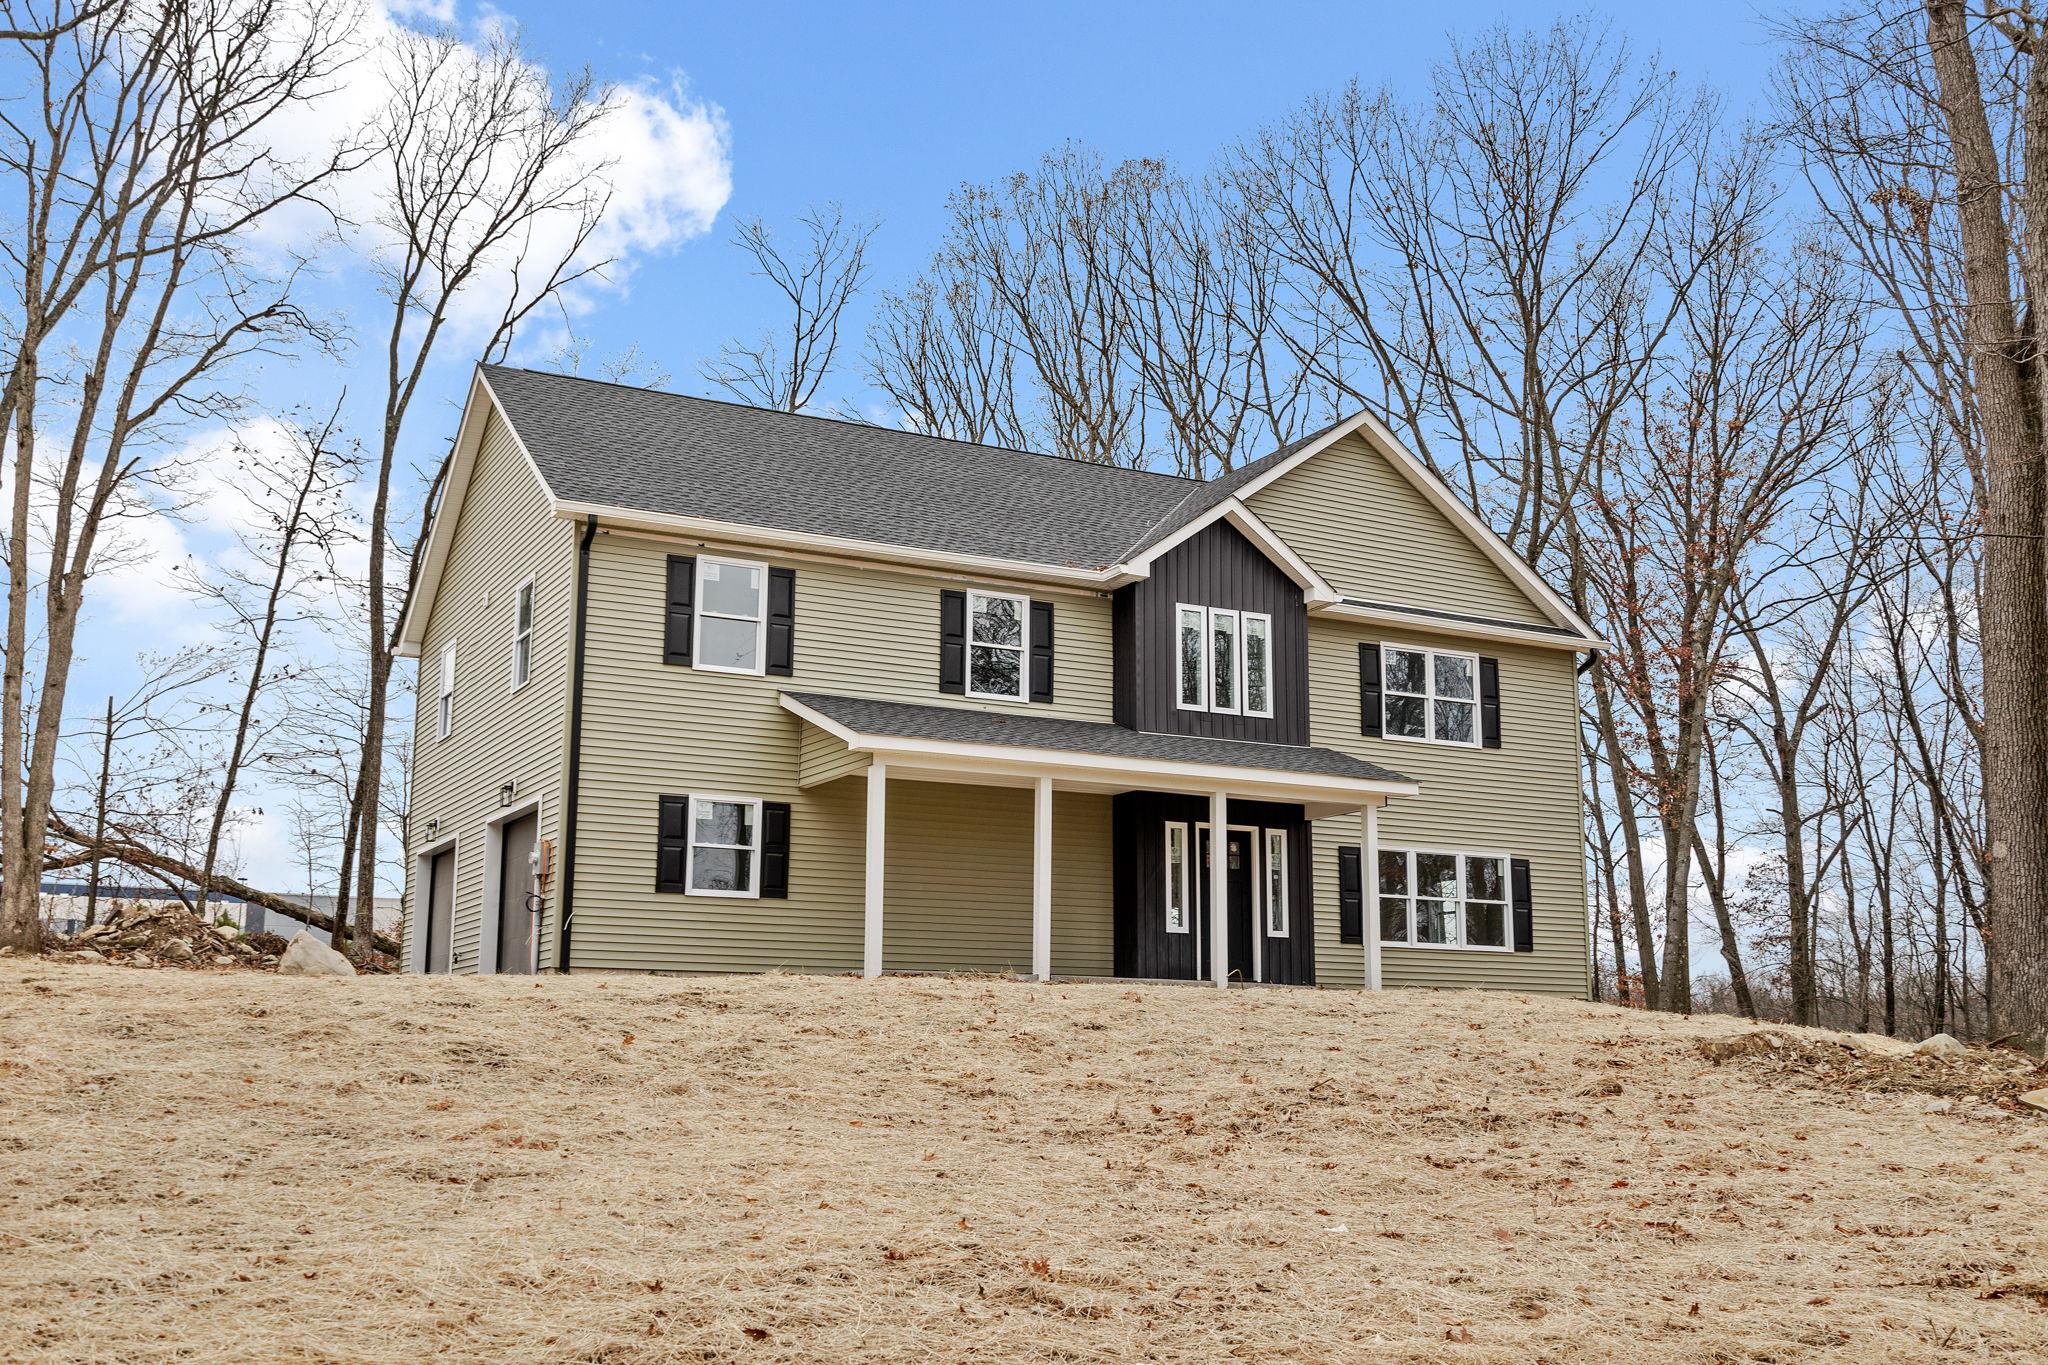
x=907 y=720
x=618 y=446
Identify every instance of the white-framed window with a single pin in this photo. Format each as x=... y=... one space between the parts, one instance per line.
x=1223 y=660
x=731 y=616
x=444 y=694
x=1436 y=898
x=1430 y=694
x=1258 y=664
x=1179 y=879
x=1191 y=656
x=725 y=846
x=1276 y=883
x=522 y=635
x=998 y=645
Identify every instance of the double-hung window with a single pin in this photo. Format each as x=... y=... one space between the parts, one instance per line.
x=522 y=635
x=732 y=615
x=1444 y=900
x=725 y=846
x=998 y=643
x=444 y=695
x=1223 y=661
x=1179 y=880
x=1431 y=695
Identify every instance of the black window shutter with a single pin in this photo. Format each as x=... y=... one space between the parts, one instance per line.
x=1350 y=901
x=672 y=844
x=682 y=591
x=952 y=641
x=775 y=850
x=1524 y=903
x=781 y=623
x=1369 y=691
x=1041 y=651
x=1489 y=703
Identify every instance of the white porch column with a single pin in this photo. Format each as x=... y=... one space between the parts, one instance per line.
x=878 y=812
x=1369 y=892
x=1219 y=887
x=1041 y=881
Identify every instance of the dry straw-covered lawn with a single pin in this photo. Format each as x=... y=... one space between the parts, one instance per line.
x=242 y=1166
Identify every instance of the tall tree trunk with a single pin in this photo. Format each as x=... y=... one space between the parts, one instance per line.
x=2013 y=605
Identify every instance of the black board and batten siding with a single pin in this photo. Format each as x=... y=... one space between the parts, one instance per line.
x=1216 y=567
x=1143 y=947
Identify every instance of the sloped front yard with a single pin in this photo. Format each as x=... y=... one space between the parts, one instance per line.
x=245 y=1166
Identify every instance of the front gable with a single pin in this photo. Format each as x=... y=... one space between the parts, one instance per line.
x=1371 y=531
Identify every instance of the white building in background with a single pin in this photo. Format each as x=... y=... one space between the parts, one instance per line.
x=64 y=904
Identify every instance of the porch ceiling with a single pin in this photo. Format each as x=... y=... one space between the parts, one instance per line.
x=962 y=744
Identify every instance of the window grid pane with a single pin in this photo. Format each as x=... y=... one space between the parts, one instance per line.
x=1223 y=660
x=1258 y=698
x=1276 y=882
x=1192 y=658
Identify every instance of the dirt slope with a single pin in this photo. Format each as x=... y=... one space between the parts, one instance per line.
x=264 y=1168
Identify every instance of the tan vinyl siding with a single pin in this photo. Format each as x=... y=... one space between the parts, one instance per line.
x=1362 y=525
x=823 y=757
x=1522 y=799
x=652 y=729
x=503 y=535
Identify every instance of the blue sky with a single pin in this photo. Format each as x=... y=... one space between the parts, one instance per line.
x=886 y=108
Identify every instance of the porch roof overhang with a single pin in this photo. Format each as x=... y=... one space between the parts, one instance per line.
x=963 y=744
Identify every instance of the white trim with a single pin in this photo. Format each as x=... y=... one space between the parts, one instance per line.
x=1268 y=886
x=1416 y=619
x=872 y=871
x=698 y=612
x=1175 y=774
x=1216 y=615
x=492 y=909
x=1022 y=649
x=1463 y=855
x=527 y=590
x=1429 y=697
x=1219 y=889
x=1368 y=894
x=444 y=694
x=1316 y=591
x=1041 y=880
x=1187 y=883
x=753 y=849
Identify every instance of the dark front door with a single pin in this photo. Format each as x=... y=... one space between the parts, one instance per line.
x=440 y=908
x=1238 y=849
x=515 y=893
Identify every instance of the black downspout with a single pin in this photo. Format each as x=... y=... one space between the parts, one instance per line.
x=568 y=900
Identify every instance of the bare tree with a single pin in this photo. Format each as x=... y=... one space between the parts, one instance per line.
x=817 y=280
x=487 y=187
x=146 y=161
x=297 y=500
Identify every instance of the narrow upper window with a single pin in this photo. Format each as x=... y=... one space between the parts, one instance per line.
x=1276 y=883
x=444 y=696
x=1431 y=695
x=998 y=630
x=1191 y=659
x=522 y=635
x=1444 y=900
x=1223 y=665
x=725 y=846
x=1258 y=664
x=732 y=618
x=1177 y=883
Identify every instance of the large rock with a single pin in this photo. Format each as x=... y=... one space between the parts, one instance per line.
x=2036 y=1100
x=1943 y=1046
x=306 y=955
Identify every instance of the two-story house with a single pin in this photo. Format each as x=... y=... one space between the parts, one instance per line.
x=705 y=688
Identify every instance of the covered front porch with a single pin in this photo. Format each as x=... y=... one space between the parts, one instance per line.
x=1180 y=909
